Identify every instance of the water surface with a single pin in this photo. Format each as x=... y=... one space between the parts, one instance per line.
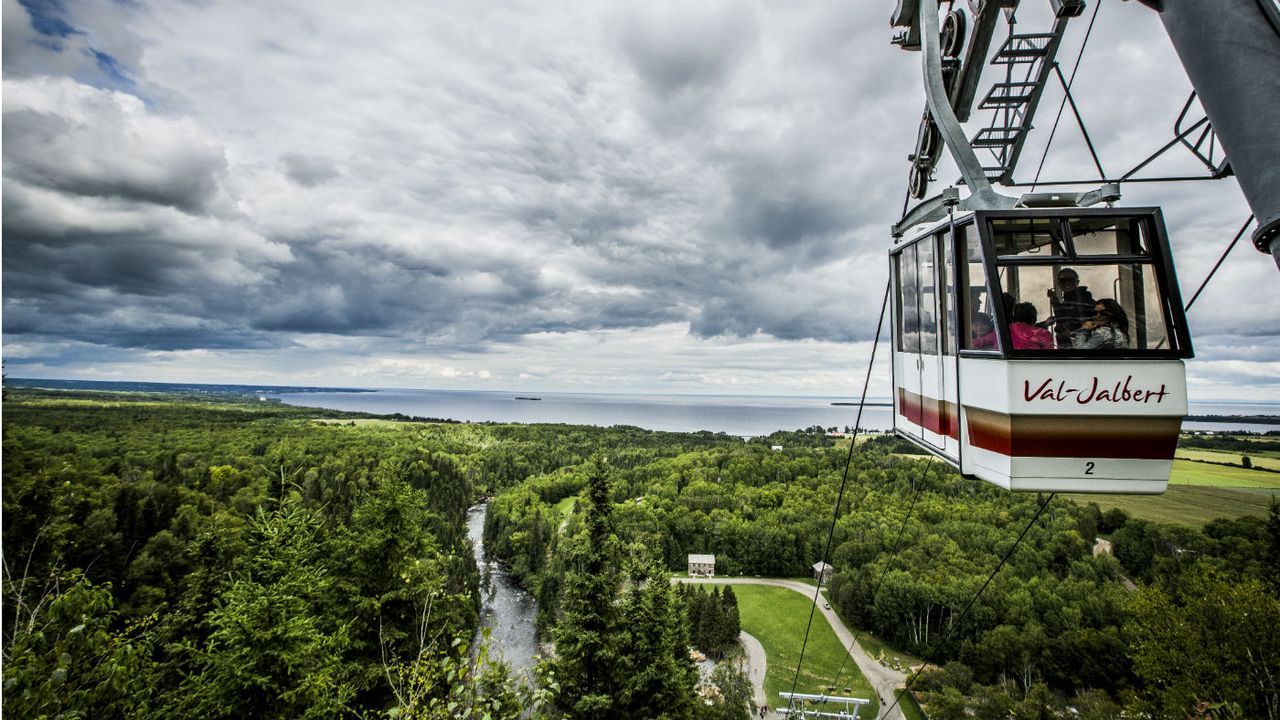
x=505 y=609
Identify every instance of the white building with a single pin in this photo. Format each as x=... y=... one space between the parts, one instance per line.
x=700 y=565
x=822 y=572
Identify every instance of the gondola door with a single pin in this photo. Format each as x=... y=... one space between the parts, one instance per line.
x=919 y=367
x=907 y=362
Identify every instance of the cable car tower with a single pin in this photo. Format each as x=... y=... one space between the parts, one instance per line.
x=1039 y=339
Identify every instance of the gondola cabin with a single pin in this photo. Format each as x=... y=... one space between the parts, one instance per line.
x=1042 y=349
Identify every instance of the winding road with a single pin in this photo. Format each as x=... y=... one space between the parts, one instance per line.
x=885 y=680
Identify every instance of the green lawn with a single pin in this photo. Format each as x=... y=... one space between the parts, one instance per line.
x=1222 y=456
x=1199 y=491
x=910 y=708
x=565 y=506
x=1192 y=505
x=877 y=648
x=777 y=617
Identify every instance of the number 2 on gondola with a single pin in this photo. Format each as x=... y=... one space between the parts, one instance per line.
x=1088 y=468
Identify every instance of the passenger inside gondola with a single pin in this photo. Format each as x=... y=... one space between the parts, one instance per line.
x=1108 y=328
x=983 y=333
x=1071 y=305
x=1026 y=335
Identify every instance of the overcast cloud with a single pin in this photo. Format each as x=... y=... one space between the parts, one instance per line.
x=663 y=196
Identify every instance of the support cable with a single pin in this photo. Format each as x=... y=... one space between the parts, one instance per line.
x=1218 y=264
x=1088 y=141
x=835 y=515
x=1061 y=106
x=958 y=621
x=901 y=528
x=897 y=543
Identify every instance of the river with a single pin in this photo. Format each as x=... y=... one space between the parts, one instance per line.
x=505 y=609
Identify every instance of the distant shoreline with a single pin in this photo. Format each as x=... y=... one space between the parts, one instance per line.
x=206 y=388
x=1243 y=419
x=869 y=404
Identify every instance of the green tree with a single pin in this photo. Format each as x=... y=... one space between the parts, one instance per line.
x=64 y=659
x=1213 y=639
x=587 y=654
x=1039 y=703
x=946 y=705
x=731 y=699
x=732 y=624
x=1094 y=704
x=442 y=684
x=991 y=702
x=657 y=675
x=271 y=652
x=1271 y=550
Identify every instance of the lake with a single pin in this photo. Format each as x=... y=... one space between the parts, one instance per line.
x=731 y=414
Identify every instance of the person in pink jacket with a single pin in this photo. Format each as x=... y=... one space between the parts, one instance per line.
x=1026 y=335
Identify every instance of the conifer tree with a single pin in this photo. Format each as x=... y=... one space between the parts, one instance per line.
x=709 y=622
x=658 y=677
x=731 y=623
x=586 y=665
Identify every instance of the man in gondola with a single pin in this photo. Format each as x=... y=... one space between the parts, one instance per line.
x=1072 y=304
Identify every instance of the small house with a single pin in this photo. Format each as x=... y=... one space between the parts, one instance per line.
x=702 y=565
x=1101 y=547
x=822 y=572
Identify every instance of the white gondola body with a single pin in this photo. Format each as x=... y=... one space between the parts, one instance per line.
x=1061 y=420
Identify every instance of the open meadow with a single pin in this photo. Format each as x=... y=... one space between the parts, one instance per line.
x=777 y=618
x=1201 y=490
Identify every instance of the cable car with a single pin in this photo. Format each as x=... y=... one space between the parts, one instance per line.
x=1042 y=349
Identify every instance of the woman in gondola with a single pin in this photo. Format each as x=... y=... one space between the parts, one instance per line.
x=1108 y=328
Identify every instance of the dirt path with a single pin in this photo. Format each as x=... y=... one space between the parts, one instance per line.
x=756 y=661
x=885 y=680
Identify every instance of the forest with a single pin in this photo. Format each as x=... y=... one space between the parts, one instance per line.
x=210 y=557
x=1058 y=632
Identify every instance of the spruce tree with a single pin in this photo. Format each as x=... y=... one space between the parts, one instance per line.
x=658 y=677
x=586 y=665
x=709 y=625
x=695 y=604
x=732 y=623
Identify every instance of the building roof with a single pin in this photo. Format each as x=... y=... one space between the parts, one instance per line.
x=820 y=566
x=702 y=559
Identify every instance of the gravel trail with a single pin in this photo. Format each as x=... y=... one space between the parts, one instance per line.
x=884 y=679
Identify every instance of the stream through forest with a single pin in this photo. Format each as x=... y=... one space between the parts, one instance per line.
x=507 y=610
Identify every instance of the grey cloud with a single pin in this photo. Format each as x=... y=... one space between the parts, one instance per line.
x=309 y=170
x=97 y=145
x=729 y=168
x=767 y=207
x=681 y=46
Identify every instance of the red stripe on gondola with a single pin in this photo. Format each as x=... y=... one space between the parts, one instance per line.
x=937 y=416
x=1075 y=436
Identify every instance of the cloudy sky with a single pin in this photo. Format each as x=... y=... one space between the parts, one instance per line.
x=662 y=196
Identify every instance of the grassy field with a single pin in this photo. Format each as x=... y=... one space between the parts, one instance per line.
x=1192 y=505
x=877 y=648
x=565 y=506
x=777 y=617
x=1221 y=456
x=910 y=708
x=1200 y=491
